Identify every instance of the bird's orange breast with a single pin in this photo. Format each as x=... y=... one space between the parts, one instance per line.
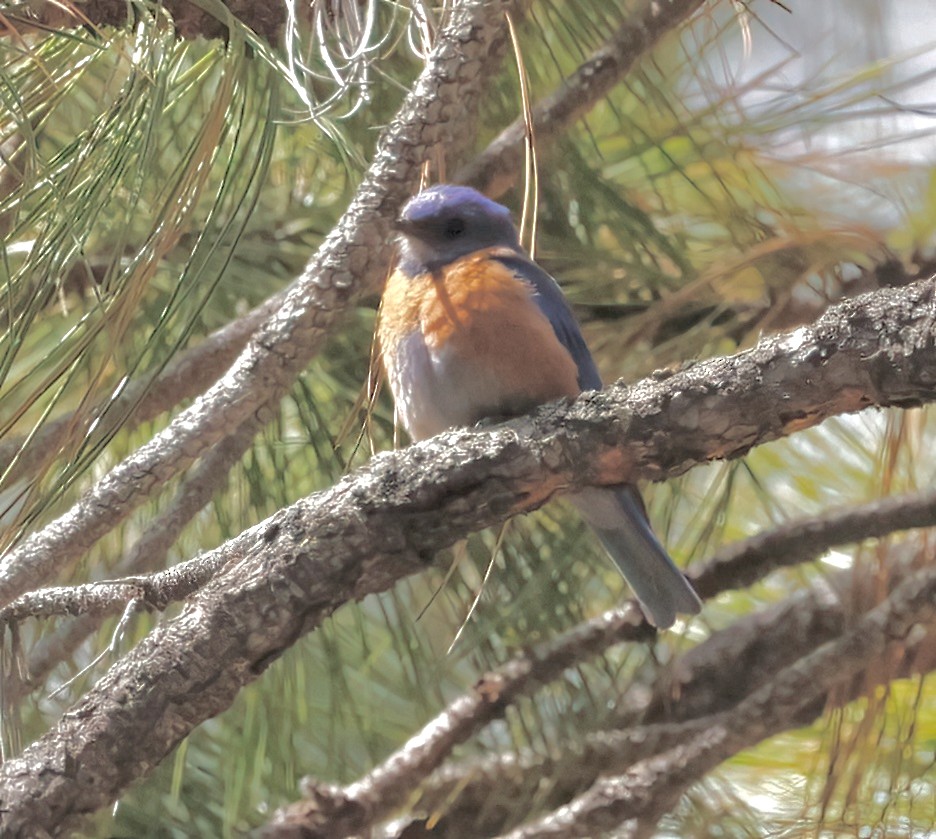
x=480 y=323
x=460 y=297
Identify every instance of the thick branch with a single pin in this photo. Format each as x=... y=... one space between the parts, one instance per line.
x=351 y=261
x=190 y=18
x=733 y=566
x=283 y=577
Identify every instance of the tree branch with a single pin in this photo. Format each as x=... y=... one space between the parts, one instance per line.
x=352 y=261
x=653 y=786
x=190 y=18
x=144 y=399
x=110 y=597
x=734 y=566
x=281 y=578
x=499 y=167
x=148 y=553
x=701 y=680
x=750 y=560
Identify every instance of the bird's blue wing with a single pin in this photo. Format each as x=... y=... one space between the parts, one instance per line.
x=552 y=303
x=616 y=513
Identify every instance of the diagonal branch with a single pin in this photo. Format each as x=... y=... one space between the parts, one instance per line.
x=498 y=168
x=281 y=578
x=200 y=366
x=703 y=684
x=746 y=562
x=734 y=566
x=652 y=787
x=144 y=399
x=352 y=261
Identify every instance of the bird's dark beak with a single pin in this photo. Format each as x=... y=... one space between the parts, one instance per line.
x=404 y=225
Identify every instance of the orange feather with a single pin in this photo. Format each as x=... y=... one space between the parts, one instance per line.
x=478 y=310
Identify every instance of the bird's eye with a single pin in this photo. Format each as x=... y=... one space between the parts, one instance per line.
x=454 y=228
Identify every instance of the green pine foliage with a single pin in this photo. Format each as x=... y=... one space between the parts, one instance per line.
x=157 y=188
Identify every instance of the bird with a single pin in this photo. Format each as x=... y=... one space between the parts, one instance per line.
x=471 y=328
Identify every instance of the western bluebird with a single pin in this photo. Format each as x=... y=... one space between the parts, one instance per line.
x=471 y=327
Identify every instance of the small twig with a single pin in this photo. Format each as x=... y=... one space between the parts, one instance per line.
x=116 y=637
x=147 y=554
x=156 y=591
x=499 y=166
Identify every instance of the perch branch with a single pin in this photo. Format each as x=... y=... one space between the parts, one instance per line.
x=351 y=262
x=283 y=577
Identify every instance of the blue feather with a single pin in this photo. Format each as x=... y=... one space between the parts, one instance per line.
x=552 y=303
x=616 y=514
x=445 y=223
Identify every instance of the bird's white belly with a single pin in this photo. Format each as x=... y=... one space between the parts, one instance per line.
x=437 y=389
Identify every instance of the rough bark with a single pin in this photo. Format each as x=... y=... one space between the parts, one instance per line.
x=351 y=262
x=284 y=576
x=191 y=19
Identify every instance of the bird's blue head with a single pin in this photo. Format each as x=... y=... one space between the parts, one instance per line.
x=445 y=222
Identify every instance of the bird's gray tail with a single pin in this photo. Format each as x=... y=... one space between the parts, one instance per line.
x=617 y=515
